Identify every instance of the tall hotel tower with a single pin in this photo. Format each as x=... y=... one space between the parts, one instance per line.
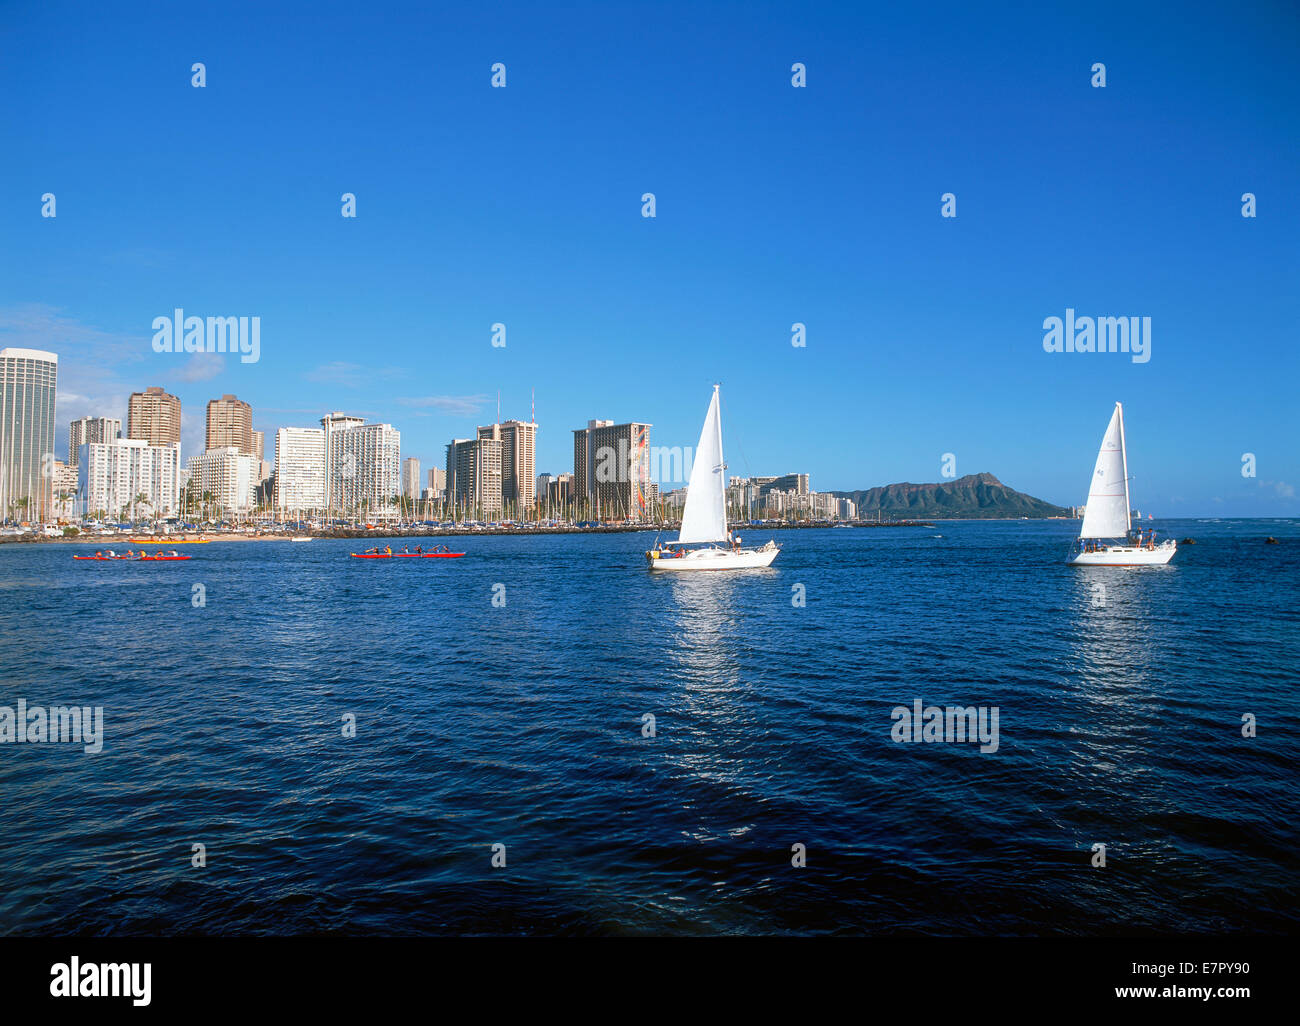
x=91 y=429
x=154 y=416
x=518 y=440
x=28 y=378
x=230 y=424
x=611 y=470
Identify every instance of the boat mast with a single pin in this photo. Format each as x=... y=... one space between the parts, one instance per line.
x=722 y=463
x=1123 y=455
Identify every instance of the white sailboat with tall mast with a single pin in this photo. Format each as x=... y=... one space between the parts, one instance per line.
x=1107 y=537
x=704 y=518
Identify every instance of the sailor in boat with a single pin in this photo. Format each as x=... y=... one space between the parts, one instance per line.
x=419 y=550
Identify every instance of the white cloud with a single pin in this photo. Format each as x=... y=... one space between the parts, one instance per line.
x=200 y=367
x=349 y=375
x=456 y=405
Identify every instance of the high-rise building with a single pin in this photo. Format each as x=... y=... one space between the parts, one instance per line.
x=331 y=424
x=91 y=429
x=154 y=416
x=259 y=444
x=518 y=464
x=796 y=483
x=65 y=489
x=230 y=424
x=227 y=476
x=611 y=470
x=559 y=492
x=28 y=381
x=362 y=464
x=299 y=469
x=411 y=477
x=437 y=482
x=128 y=477
x=474 y=476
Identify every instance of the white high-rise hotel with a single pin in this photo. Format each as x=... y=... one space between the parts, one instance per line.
x=28 y=378
x=227 y=475
x=345 y=465
x=299 y=469
x=110 y=476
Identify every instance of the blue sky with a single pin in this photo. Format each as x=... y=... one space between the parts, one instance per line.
x=775 y=205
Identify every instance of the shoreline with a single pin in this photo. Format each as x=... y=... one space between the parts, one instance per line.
x=123 y=541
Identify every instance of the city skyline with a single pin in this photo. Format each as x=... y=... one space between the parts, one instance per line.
x=923 y=334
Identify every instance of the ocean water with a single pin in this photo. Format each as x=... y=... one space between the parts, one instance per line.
x=1120 y=693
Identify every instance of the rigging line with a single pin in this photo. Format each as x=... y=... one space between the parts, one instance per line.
x=739 y=444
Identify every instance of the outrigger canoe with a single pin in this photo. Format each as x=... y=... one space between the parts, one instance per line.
x=169 y=541
x=134 y=559
x=407 y=555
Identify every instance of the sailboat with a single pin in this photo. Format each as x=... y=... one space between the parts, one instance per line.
x=1107 y=537
x=704 y=519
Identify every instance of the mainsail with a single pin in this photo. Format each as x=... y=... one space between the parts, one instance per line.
x=1107 y=513
x=705 y=517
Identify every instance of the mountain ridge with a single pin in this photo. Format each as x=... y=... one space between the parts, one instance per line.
x=973 y=496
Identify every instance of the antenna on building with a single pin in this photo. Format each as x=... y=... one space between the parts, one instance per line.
x=498 y=406
x=532 y=413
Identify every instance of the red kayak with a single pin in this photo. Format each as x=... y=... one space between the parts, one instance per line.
x=132 y=559
x=407 y=555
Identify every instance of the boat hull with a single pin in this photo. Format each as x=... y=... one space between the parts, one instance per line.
x=1125 y=555
x=712 y=559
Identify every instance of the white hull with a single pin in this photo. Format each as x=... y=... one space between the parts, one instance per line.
x=713 y=559
x=1125 y=555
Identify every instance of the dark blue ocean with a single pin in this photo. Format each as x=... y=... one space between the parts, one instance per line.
x=1120 y=723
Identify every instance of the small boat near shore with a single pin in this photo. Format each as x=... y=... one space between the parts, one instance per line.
x=169 y=541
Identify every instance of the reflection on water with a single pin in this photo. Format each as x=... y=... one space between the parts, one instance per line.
x=1115 y=636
